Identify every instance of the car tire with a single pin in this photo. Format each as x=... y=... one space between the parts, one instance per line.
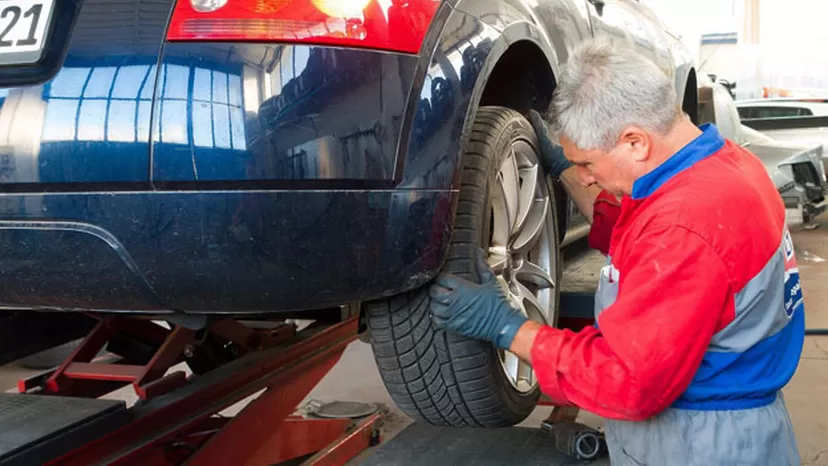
x=437 y=376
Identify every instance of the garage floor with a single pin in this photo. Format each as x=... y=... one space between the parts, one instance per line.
x=355 y=378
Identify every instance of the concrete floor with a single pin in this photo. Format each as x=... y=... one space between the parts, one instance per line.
x=356 y=378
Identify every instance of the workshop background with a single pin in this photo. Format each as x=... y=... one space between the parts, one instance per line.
x=759 y=44
x=757 y=49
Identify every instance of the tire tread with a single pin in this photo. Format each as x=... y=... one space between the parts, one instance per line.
x=455 y=383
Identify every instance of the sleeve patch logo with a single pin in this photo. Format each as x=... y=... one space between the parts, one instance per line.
x=793 y=293
x=788 y=245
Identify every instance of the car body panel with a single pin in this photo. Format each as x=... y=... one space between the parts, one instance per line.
x=239 y=178
x=554 y=26
x=630 y=22
x=441 y=100
x=229 y=229
x=258 y=112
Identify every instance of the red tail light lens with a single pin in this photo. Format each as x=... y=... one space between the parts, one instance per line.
x=395 y=25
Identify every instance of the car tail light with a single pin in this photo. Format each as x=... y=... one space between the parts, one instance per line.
x=395 y=25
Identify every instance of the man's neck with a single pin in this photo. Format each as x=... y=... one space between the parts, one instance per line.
x=682 y=134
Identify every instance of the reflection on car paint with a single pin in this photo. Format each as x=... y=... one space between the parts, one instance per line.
x=99 y=104
x=445 y=94
x=303 y=113
x=90 y=123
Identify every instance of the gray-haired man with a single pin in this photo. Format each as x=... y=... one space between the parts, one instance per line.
x=699 y=314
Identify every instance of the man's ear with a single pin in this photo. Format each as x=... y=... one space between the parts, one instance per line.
x=637 y=141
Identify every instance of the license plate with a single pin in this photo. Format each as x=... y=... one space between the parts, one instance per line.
x=24 y=27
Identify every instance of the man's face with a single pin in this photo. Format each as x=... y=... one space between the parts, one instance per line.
x=614 y=170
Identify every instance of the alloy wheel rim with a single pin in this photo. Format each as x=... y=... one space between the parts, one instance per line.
x=522 y=249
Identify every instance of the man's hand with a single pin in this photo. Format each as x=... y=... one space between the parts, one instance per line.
x=476 y=310
x=552 y=154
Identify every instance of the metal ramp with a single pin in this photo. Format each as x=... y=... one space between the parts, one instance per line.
x=35 y=429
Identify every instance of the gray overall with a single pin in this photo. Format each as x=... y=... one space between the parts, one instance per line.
x=685 y=437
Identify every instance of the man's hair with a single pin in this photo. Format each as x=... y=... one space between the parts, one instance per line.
x=604 y=88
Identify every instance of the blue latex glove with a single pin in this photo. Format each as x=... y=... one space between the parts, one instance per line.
x=552 y=154
x=476 y=310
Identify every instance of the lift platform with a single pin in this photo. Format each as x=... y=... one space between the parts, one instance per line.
x=63 y=416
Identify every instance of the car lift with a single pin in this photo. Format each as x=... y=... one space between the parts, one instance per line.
x=177 y=420
x=59 y=417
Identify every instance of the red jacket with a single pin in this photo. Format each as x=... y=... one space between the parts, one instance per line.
x=701 y=241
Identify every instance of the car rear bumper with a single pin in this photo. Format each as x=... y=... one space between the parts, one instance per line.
x=240 y=252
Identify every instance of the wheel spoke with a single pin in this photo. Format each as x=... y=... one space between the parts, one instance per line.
x=500 y=218
x=525 y=374
x=533 y=226
x=534 y=274
x=509 y=182
x=512 y=364
x=529 y=177
x=497 y=259
x=530 y=303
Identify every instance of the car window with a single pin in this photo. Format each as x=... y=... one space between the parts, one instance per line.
x=773 y=112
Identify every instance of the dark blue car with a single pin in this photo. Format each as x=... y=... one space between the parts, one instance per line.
x=273 y=158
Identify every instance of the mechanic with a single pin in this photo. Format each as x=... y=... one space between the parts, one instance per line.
x=699 y=314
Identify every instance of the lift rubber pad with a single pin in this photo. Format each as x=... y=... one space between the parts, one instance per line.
x=421 y=444
x=37 y=428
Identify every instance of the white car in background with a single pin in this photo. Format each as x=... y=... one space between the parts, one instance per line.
x=795 y=167
x=797 y=120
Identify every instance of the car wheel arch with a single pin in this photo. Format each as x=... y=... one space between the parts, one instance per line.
x=517 y=35
x=690 y=96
